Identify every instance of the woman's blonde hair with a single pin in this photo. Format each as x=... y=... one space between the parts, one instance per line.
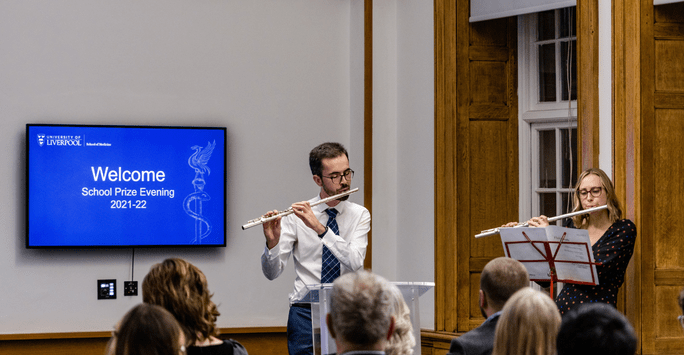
x=614 y=211
x=402 y=340
x=528 y=325
x=182 y=289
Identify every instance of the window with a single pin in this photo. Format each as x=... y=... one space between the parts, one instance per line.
x=548 y=112
x=555 y=167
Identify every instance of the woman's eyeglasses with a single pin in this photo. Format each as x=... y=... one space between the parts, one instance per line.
x=595 y=192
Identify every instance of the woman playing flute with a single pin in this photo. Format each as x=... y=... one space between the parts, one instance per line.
x=612 y=240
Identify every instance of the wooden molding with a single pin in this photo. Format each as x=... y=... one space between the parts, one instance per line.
x=445 y=177
x=257 y=340
x=107 y=334
x=587 y=84
x=368 y=122
x=476 y=152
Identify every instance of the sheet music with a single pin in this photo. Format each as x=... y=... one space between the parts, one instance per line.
x=574 y=260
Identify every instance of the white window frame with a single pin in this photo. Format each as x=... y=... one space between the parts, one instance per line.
x=534 y=115
x=534 y=148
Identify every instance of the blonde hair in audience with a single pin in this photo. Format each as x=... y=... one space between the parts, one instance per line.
x=402 y=340
x=182 y=289
x=528 y=325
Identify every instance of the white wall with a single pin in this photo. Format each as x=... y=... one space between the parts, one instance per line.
x=403 y=138
x=605 y=89
x=281 y=76
x=415 y=149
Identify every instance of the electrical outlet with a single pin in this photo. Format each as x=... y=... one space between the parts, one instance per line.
x=106 y=289
x=130 y=288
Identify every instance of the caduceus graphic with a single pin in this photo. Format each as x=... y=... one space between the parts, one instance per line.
x=198 y=161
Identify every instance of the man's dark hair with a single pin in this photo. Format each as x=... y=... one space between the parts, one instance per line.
x=501 y=278
x=596 y=328
x=327 y=150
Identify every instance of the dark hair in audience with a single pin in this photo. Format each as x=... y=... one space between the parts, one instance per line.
x=182 y=289
x=596 y=328
x=681 y=300
x=324 y=151
x=501 y=278
x=146 y=330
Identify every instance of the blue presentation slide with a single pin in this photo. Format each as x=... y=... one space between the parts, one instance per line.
x=125 y=186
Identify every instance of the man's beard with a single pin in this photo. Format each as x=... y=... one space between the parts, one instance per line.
x=333 y=193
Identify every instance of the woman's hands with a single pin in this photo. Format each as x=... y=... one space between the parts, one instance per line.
x=541 y=221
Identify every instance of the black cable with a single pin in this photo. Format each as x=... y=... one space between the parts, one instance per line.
x=132 y=264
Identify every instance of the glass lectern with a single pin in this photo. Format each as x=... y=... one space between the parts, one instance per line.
x=319 y=297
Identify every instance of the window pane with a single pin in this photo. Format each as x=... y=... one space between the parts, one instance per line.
x=567 y=22
x=569 y=157
x=547 y=159
x=547 y=73
x=566 y=203
x=547 y=204
x=546 y=28
x=573 y=70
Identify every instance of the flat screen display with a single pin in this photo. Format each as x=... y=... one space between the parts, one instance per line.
x=125 y=186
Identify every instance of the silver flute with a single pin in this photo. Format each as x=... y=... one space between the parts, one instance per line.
x=289 y=211
x=494 y=231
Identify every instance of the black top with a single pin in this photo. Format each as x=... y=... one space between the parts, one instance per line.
x=614 y=250
x=228 y=347
x=479 y=341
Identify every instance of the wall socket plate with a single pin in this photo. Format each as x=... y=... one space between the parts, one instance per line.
x=130 y=288
x=106 y=289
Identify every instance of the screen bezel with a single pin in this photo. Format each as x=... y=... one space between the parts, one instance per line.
x=108 y=246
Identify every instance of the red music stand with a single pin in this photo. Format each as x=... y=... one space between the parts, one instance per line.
x=551 y=258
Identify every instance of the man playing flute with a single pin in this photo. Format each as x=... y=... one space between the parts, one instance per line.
x=325 y=241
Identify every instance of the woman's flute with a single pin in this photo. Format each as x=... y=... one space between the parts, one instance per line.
x=493 y=231
x=261 y=220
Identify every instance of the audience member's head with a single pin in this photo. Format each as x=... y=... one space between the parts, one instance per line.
x=500 y=279
x=361 y=312
x=182 y=289
x=402 y=340
x=681 y=306
x=596 y=328
x=147 y=330
x=528 y=325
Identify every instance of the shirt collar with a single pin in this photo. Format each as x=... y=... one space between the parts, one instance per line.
x=324 y=206
x=492 y=317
